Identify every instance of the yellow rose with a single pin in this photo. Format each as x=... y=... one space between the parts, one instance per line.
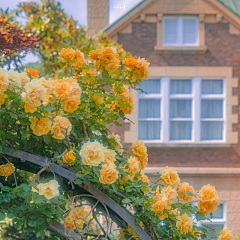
x=80 y=217
x=76 y=90
x=208 y=199
x=195 y=233
x=225 y=235
x=92 y=153
x=49 y=190
x=62 y=88
x=125 y=98
x=40 y=126
x=35 y=93
x=32 y=72
x=97 y=99
x=140 y=152
x=170 y=193
x=70 y=104
x=15 y=77
x=67 y=54
x=143 y=177
x=108 y=174
x=93 y=55
x=4 y=82
x=29 y=108
x=130 y=63
x=47 y=84
x=67 y=156
x=79 y=59
x=183 y=187
x=2 y=98
x=118 y=144
x=6 y=170
x=64 y=123
x=142 y=69
x=109 y=155
x=133 y=166
x=160 y=205
x=165 y=215
x=184 y=224
x=24 y=78
x=170 y=177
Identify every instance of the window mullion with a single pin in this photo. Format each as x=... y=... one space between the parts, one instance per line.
x=196 y=109
x=165 y=109
x=180 y=31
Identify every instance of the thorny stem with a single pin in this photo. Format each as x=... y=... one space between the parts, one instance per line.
x=85 y=131
x=12 y=169
x=64 y=132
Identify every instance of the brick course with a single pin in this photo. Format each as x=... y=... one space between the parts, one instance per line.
x=223 y=50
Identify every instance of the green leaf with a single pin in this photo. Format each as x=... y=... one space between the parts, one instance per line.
x=96 y=171
x=26 y=188
x=1 y=148
x=105 y=74
x=2 y=216
x=49 y=108
x=13 y=115
x=114 y=188
x=189 y=193
x=47 y=139
x=126 y=200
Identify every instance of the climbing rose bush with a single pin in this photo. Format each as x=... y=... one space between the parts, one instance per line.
x=66 y=119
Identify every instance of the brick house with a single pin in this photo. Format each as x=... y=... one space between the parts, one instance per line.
x=189 y=119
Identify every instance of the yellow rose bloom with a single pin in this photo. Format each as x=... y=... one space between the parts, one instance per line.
x=4 y=82
x=79 y=59
x=133 y=166
x=142 y=69
x=225 y=234
x=160 y=205
x=140 y=152
x=130 y=63
x=109 y=58
x=170 y=177
x=40 y=126
x=49 y=190
x=184 y=224
x=6 y=170
x=80 y=217
x=97 y=99
x=32 y=72
x=61 y=88
x=15 y=77
x=47 y=84
x=195 y=233
x=170 y=193
x=93 y=55
x=67 y=156
x=64 y=123
x=118 y=146
x=35 y=93
x=2 y=98
x=70 y=104
x=24 y=78
x=92 y=153
x=143 y=177
x=163 y=216
x=109 y=155
x=67 y=54
x=76 y=90
x=29 y=108
x=183 y=187
x=208 y=199
x=108 y=174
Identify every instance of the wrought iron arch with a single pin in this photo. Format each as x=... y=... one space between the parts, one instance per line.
x=95 y=192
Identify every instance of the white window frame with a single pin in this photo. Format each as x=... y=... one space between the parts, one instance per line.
x=180 y=31
x=196 y=97
x=216 y=221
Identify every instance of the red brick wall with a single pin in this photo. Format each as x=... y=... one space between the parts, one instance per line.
x=223 y=50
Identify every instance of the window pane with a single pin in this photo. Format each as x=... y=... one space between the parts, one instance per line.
x=211 y=130
x=149 y=130
x=171 y=31
x=190 y=33
x=180 y=130
x=214 y=231
x=212 y=108
x=149 y=108
x=180 y=108
x=212 y=86
x=180 y=86
x=150 y=86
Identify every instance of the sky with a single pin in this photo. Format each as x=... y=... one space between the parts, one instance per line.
x=78 y=9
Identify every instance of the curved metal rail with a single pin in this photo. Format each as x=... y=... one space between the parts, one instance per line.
x=90 y=188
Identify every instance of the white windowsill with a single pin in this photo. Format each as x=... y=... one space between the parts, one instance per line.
x=187 y=144
x=180 y=50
